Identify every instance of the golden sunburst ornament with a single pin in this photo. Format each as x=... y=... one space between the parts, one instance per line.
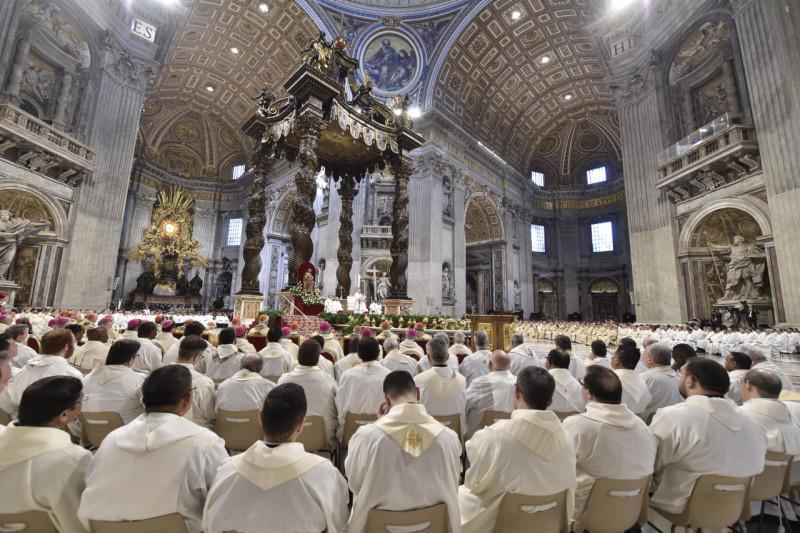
x=169 y=228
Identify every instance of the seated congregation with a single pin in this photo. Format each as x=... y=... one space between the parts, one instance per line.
x=199 y=438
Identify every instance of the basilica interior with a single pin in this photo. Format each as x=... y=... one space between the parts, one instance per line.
x=570 y=159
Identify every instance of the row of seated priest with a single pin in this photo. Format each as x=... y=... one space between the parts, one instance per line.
x=374 y=422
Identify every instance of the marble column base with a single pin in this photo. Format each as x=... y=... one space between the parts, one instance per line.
x=398 y=306
x=247 y=306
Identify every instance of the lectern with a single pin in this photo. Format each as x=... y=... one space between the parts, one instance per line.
x=498 y=327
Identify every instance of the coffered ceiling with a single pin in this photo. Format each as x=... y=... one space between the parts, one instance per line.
x=512 y=73
x=519 y=69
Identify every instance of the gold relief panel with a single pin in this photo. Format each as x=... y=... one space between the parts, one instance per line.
x=25 y=271
x=23 y=204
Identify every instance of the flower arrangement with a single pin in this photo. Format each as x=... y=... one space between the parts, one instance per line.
x=307 y=297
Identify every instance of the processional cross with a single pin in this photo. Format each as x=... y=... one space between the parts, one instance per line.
x=374 y=272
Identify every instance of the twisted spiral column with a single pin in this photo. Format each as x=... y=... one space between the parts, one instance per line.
x=256 y=219
x=399 y=246
x=303 y=218
x=347 y=191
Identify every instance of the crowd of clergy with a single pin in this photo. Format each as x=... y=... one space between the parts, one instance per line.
x=445 y=424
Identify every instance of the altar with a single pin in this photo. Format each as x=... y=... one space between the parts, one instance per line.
x=499 y=328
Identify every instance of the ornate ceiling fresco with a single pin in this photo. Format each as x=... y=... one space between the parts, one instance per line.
x=515 y=74
x=512 y=82
x=267 y=48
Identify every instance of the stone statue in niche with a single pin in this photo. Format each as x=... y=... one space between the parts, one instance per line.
x=384 y=288
x=447 y=197
x=12 y=231
x=448 y=292
x=713 y=102
x=517 y=296
x=38 y=83
x=321 y=275
x=744 y=273
x=195 y=284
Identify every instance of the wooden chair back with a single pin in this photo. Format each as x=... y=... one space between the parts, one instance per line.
x=28 y=522
x=5 y=418
x=431 y=519
x=313 y=437
x=564 y=414
x=239 y=429
x=775 y=479
x=95 y=426
x=352 y=421
x=490 y=417
x=543 y=514
x=451 y=421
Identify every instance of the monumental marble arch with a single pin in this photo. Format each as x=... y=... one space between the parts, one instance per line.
x=585 y=160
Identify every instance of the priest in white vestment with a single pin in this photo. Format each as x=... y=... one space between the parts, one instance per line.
x=275 y=485
x=599 y=355
x=348 y=361
x=228 y=358
x=568 y=394
x=246 y=389
x=150 y=354
x=115 y=386
x=610 y=441
x=521 y=356
x=192 y=328
x=409 y=345
x=395 y=359
x=94 y=351
x=635 y=393
x=405 y=460
x=165 y=339
x=760 y=359
x=458 y=347
x=492 y=392
x=443 y=391
x=760 y=392
x=57 y=347
x=331 y=345
x=203 y=409
x=40 y=468
x=242 y=343
x=132 y=329
x=287 y=343
x=576 y=365
x=361 y=387
x=662 y=381
x=277 y=361
x=6 y=370
x=161 y=462
x=737 y=364
x=19 y=333
x=452 y=360
x=528 y=454
x=706 y=434
x=318 y=386
x=477 y=364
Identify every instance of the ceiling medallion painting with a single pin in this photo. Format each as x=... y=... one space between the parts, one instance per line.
x=391 y=61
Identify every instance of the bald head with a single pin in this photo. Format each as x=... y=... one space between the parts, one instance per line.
x=761 y=383
x=500 y=361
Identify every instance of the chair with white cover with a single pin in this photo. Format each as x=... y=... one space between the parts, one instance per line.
x=716 y=503
x=27 y=522
x=96 y=426
x=239 y=429
x=615 y=505
x=543 y=514
x=313 y=437
x=431 y=519
x=168 y=523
